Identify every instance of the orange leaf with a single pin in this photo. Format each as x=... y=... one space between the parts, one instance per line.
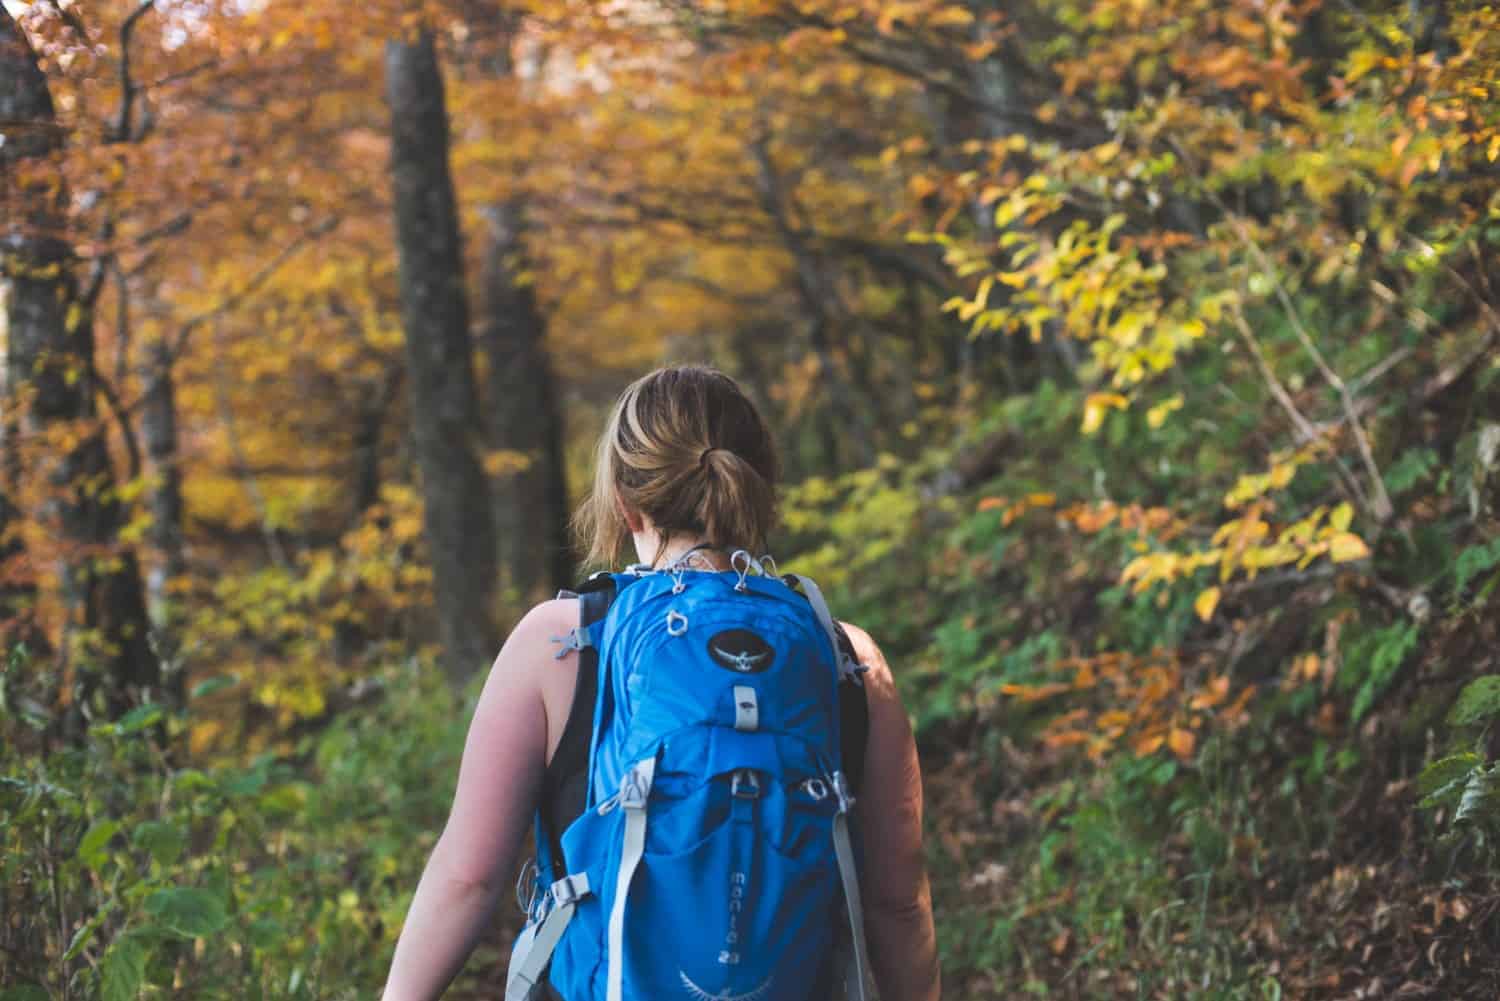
x=1181 y=742
x=1148 y=744
x=1035 y=693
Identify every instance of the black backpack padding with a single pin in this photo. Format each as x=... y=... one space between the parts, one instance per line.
x=564 y=792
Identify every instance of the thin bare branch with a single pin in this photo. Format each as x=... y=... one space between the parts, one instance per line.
x=237 y=452
x=124 y=124
x=1305 y=429
x=252 y=284
x=1380 y=506
x=132 y=448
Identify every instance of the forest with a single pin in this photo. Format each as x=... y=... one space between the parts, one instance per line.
x=1136 y=366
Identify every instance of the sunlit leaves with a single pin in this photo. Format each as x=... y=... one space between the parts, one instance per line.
x=1145 y=704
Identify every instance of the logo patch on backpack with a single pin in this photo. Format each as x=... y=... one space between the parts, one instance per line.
x=740 y=651
x=702 y=995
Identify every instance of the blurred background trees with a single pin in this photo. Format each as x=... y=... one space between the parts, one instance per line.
x=1135 y=366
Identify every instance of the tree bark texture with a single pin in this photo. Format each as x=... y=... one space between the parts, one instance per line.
x=524 y=416
x=446 y=429
x=159 y=433
x=49 y=361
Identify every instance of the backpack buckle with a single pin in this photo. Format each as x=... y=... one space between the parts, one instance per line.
x=841 y=790
x=745 y=784
x=569 y=889
x=635 y=787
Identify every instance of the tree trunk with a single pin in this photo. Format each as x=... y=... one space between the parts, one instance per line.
x=50 y=361
x=523 y=407
x=447 y=432
x=159 y=434
x=524 y=417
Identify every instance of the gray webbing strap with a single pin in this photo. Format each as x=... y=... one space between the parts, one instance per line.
x=533 y=949
x=746 y=708
x=854 y=977
x=634 y=791
x=847 y=666
x=576 y=638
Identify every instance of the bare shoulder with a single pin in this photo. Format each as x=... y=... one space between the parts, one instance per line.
x=879 y=684
x=548 y=618
x=529 y=648
x=866 y=650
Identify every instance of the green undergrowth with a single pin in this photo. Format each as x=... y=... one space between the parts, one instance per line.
x=127 y=874
x=1336 y=838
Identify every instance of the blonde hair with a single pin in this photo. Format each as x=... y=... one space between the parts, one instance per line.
x=688 y=449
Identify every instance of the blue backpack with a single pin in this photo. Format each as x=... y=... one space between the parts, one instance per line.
x=711 y=859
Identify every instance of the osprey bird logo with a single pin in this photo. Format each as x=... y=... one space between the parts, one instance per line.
x=741 y=660
x=702 y=995
x=740 y=651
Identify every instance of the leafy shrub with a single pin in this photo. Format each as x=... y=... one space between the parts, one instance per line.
x=285 y=876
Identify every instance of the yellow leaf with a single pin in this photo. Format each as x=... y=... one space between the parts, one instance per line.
x=1340 y=517
x=955 y=15
x=1347 y=546
x=1157 y=415
x=1095 y=407
x=1206 y=603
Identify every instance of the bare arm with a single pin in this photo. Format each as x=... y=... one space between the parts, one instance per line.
x=504 y=757
x=897 y=899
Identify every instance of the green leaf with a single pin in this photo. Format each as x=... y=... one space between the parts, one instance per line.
x=246 y=783
x=217 y=683
x=1447 y=770
x=84 y=934
x=1479 y=701
x=123 y=970
x=95 y=839
x=1373 y=661
x=1473 y=561
x=1478 y=802
x=164 y=840
x=187 y=911
x=140 y=717
x=191 y=780
x=1410 y=468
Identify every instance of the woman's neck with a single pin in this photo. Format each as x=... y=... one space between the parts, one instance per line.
x=693 y=554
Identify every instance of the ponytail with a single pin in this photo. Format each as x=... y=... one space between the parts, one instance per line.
x=685 y=447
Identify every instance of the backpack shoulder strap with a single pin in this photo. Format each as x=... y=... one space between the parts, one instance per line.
x=854 y=718
x=854 y=705
x=565 y=782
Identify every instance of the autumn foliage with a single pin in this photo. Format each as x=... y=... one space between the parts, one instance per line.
x=1135 y=369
